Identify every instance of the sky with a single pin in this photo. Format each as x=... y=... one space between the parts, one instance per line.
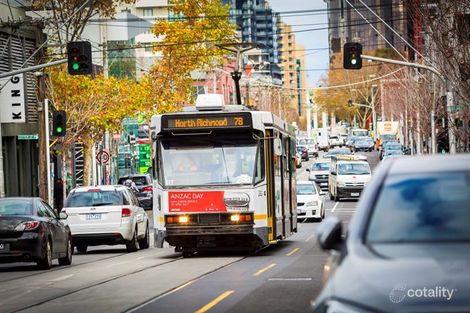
x=310 y=39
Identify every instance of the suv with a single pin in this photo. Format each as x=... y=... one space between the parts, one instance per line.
x=348 y=176
x=107 y=215
x=335 y=141
x=144 y=185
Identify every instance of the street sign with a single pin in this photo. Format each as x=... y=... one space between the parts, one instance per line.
x=102 y=157
x=28 y=137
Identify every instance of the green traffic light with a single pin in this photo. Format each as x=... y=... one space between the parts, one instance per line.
x=59 y=130
x=75 y=66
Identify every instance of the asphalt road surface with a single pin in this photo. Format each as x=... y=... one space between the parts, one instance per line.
x=285 y=277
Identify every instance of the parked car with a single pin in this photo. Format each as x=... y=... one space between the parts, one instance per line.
x=401 y=243
x=144 y=185
x=319 y=172
x=106 y=215
x=31 y=231
x=303 y=150
x=392 y=154
x=310 y=201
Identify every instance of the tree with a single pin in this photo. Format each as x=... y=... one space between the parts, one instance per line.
x=336 y=100
x=94 y=105
x=189 y=42
x=71 y=16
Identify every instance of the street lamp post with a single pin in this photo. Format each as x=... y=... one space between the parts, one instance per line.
x=374 y=114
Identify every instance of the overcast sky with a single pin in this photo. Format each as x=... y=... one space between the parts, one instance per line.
x=310 y=39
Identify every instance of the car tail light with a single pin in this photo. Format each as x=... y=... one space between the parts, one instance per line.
x=27 y=226
x=126 y=212
x=94 y=190
x=147 y=189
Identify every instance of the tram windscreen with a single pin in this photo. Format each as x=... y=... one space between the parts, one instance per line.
x=210 y=161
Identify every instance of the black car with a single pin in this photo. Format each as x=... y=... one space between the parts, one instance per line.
x=303 y=150
x=31 y=231
x=144 y=185
x=408 y=245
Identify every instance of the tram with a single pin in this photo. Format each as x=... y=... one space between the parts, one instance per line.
x=224 y=177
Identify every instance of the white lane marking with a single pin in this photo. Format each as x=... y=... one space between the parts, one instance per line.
x=310 y=237
x=140 y=258
x=62 y=277
x=291 y=279
x=334 y=208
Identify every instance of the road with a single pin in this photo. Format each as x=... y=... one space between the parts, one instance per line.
x=281 y=278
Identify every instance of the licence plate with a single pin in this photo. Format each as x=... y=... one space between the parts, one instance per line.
x=4 y=247
x=354 y=194
x=93 y=216
x=323 y=184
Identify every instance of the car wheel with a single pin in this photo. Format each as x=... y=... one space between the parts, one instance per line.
x=144 y=243
x=131 y=245
x=187 y=253
x=323 y=213
x=67 y=259
x=45 y=262
x=82 y=248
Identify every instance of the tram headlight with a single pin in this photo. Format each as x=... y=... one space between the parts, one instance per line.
x=235 y=217
x=183 y=219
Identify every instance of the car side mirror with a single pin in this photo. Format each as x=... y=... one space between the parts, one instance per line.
x=333 y=173
x=308 y=170
x=322 y=193
x=329 y=235
x=63 y=216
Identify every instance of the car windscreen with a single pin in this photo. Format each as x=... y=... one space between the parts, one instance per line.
x=432 y=207
x=353 y=169
x=306 y=189
x=321 y=166
x=138 y=180
x=94 y=198
x=216 y=160
x=392 y=147
x=10 y=207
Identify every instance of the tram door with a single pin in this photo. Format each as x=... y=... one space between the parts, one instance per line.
x=286 y=210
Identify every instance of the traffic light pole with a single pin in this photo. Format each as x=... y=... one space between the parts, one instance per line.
x=449 y=93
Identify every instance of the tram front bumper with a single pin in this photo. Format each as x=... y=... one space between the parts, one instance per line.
x=183 y=230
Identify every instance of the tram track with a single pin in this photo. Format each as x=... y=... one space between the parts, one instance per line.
x=124 y=275
x=59 y=268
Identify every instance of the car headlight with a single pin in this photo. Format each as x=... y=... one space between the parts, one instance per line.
x=341 y=184
x=312 y=203
x=334 y=306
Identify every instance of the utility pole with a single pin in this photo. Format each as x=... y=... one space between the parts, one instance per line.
x=42 y=120
x=239 y=49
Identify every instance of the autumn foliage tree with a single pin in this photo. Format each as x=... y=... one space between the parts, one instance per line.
x=190 y=39
x=335 y=100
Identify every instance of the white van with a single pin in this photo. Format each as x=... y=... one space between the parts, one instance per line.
x=349 y=174
x=322 y=139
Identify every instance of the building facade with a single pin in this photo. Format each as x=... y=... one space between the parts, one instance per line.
x=349 y=20
x=19 y=108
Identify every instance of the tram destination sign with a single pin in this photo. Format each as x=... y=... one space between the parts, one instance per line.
x=206 y=121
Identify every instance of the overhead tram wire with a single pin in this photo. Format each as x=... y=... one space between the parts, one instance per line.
x=310 y=12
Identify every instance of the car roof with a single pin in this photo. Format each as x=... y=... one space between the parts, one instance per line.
x=322 y=161
x=99 y=187
x=430 y=163
x=305 y=182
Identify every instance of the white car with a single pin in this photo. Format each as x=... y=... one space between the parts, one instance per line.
x=310 y=201
x=106 y=215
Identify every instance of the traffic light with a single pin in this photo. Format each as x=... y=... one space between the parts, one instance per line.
x=59 y=119
x=352 y=52
x=79 y=58
x=350 y=103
